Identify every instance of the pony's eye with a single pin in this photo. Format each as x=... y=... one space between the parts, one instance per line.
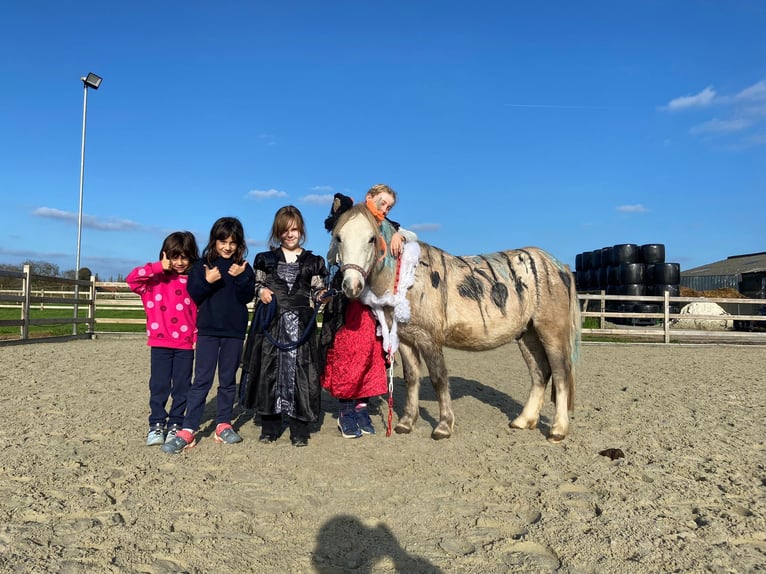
x=337 y=238
x=372 y=239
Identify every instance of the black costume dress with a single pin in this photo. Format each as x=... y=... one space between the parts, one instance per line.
x=276 y=380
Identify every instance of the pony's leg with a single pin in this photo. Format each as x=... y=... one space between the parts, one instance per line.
x=540 y=371
x=437 y=370
x=560 y=392
x=411 y=369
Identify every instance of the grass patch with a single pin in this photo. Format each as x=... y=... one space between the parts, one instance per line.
x=64 y=329
x=591 y=323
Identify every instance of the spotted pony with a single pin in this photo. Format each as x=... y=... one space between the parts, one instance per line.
x=472 y=303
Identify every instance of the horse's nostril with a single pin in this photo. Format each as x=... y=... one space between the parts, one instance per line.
x=352 y=288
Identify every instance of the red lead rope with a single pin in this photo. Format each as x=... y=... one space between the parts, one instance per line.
x=390 y=398
x=391 y=360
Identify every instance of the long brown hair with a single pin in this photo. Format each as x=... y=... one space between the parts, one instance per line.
x=284 y=218
x=224 y=228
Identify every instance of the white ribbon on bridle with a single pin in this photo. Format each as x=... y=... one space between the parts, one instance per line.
x=398 y=301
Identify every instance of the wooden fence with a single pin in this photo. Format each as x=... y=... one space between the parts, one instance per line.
x=39 y=292
x=663 y=325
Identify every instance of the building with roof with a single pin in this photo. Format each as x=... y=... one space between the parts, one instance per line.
x=745 y=273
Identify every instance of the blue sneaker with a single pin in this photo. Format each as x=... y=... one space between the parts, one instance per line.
x=348 y=423
x=364 y=420
x=156 y=435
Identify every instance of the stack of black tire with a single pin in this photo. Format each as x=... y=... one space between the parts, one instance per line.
x=629 y=269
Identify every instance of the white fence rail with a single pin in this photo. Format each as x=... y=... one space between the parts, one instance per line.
x=750 y=314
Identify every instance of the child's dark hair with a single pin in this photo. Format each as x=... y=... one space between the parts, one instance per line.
x=284 y=218
x=180 y=244
x=222 y=229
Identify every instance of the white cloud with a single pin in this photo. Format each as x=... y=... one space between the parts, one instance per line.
x=716 y=126
x=110 y=224
x=317 y=199
x=425 y=227
x=89 y=221
x=739 y=114
x=29 y=254
x=52 y=213
x=261 y=194
x=701 y=100
x=320 y=188
x=636 y=208
x=755 y=92
x=756 y=111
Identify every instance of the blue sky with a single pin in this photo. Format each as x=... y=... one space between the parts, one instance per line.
x=566 y=125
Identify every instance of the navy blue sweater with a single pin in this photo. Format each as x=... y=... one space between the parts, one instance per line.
x=222 y=306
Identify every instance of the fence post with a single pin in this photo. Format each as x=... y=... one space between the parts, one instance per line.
x=27 y=292
x=602 y=319
x=666 y=312
x=76 y=301
x=92 y=305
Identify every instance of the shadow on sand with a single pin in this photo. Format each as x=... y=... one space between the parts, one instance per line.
x=346 y=545
x=459 y=388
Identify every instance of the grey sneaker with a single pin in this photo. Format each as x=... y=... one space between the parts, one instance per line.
x=172 y=432
x=182 y=441
x=225 y=434
x=156 y=435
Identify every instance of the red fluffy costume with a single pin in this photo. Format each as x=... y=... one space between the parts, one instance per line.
x=356 y=366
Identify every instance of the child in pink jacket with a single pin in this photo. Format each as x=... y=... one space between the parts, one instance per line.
x=171 y=318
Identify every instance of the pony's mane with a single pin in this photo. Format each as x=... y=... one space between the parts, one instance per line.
x=360 y=209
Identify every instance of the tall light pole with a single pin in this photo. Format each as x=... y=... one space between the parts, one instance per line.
x=89 y=81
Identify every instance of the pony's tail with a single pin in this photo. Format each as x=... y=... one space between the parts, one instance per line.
x=575 y=329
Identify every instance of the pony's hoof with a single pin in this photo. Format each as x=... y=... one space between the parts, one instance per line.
x=523 y=424
x=402 y=429
x=441 y=431
x=556 y=438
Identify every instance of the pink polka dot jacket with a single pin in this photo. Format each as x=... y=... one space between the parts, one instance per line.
x=171 y=315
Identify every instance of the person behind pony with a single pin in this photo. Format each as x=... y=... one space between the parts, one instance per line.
x=171 y=317
x=222 y=284
x=280 y=376
x=354 y=359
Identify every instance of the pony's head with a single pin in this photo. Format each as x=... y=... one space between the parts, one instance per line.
x=359 y=248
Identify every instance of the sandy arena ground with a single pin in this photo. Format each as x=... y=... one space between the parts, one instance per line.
x=79 y=491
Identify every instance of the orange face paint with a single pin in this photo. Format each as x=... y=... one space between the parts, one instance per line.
x=377 y=213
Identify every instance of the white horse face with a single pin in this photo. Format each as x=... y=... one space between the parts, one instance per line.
x=356 y=243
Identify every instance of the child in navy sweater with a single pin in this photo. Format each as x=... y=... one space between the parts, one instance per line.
x=222 y=283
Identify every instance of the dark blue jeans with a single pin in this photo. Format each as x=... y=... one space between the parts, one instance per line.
x=171 y=375
x=223 y=353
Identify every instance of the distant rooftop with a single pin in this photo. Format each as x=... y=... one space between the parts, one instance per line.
x=733 y=265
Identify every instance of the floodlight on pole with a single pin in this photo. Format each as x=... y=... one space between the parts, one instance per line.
x=92 y=80
x=89 y=81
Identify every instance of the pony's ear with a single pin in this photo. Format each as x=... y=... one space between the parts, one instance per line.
x=340 y=203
